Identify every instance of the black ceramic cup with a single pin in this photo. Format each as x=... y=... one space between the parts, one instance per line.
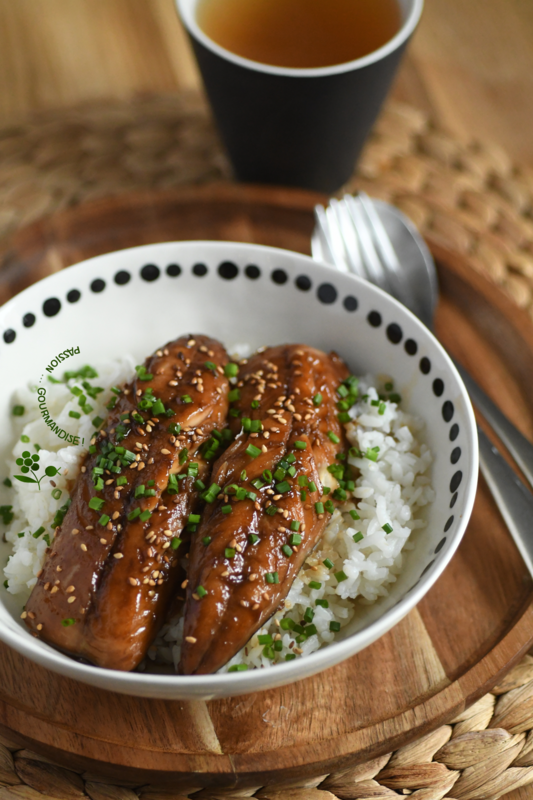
x=296 y=127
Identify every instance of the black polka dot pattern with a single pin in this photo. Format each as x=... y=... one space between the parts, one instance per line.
x=51 y=307
x=394 y=333
x=456 y=455
x=98 y=285
x=173 y=270
x=448 y=411
x=252 y=271
x=350 y=303
x=303 y=283
x=279 y=276
x=228 y=270
x=438 y=387
x=199 y=270
x=73 y=296
x=122 y=278
x=374 y=319
x=28 y=320
x=326 y=293
x=150 y=273
x=425 y=366
x=411 y=347
x=9 y=336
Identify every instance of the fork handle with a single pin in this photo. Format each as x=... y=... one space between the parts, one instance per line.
x=512 y=498
x=519 y=447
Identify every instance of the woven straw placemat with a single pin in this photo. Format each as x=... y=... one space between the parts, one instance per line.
x=468 y=196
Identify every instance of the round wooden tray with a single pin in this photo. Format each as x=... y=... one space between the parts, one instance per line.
x=471 y=627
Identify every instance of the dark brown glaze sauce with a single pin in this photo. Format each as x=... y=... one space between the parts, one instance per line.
x=104 y=588
x=233 y=553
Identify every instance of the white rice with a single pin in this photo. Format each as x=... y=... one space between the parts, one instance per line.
x=389 y=493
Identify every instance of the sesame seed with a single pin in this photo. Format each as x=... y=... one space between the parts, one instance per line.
x=172 y=383
x=40 y=626
x=190 y=639
x=277 y=497
x=298 y=417
x=225 y=574
x=253 y=577
x=151 y=593
x=70 y=589
x=244 y=603
x=23 y=615
x=264 y=448
x=255 y=606
x=159 y=353
x=184 y=584
x=134 y=465
x=191 y=342
x=141 y=466
x=165 y=546
x=103 y=541
x=46 y=586
x=83 y=547
x=118 y=555
x=71 y=600
x=54 y=589
x=109 y=482
x=133 y=581
x=74 y=531
x=195 y=596
x=165 y=452
x=116 y=515
x=117 y=495
x=83 y=469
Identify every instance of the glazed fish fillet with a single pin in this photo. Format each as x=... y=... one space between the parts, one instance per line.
x=267 y=507
x=113 y=566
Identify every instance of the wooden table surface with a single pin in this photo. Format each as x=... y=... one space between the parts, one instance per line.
x=470 y=61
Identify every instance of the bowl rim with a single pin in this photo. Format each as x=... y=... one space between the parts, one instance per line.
x=283 y=673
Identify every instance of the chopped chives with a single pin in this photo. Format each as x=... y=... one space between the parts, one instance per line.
x=139 y=490
x=175 y=543
x=145 y=516
x=210 y=365
x=328 y=505
x=341 y=576
x=271 y=510
x=264 y=638
x=309 y=614
x=340 y=494
x=244 y=476
x=174 y=428
x=200 y=591
x=182 y=458
x=258 y=483
x=382 y=408
x=231 y=370
x=206 y=540
x=287 y=624
x=335 y=626
x=290 y=657
x=24 y=438
x=300 y=445
x=319 y=507
x=387 y=528
x=96 y=503
x=279 y=474
x=389 y=386
x=357 y=537
x=342 y=390
x=134 y=514
x=253 y=451
x=282 y=487
x=278 y=646
x=287 y=550
x=67 y=622
x=229 y=552
x=194 y=518
x=312 y=486
x=122 y=481
x=372 y=453
x=199 y=485
x=271 y=577
x=291 y=471
x=226 y=509
x=303 y=480
x=255 y=404
x=104 y=519
x=328 y=563
x=344 y=417
x=186 y=398
x=315 y=585
x=395 y=398
x=290 y=459
x=38 y=532
x=295 y=539
x=333 y=437
x=267 y=476
x=317 y=399
x=253 y=538
x=323 y=603
x=238 y=668
x=97 y=421
x=74 y=414
x=295 y=525
x=303 y=495
x=268 y=652
x=234 y=395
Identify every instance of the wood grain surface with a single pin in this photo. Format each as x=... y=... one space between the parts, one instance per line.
x=470 y=63
x=475 y=622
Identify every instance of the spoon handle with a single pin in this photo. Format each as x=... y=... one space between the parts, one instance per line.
x=517 y=444
x=512 y=498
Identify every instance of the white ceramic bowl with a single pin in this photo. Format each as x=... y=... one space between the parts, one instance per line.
x=260 y=295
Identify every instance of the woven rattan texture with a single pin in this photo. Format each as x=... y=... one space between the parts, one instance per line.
x=472 y=198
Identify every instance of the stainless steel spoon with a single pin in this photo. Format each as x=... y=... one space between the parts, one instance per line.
x=377 y=242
